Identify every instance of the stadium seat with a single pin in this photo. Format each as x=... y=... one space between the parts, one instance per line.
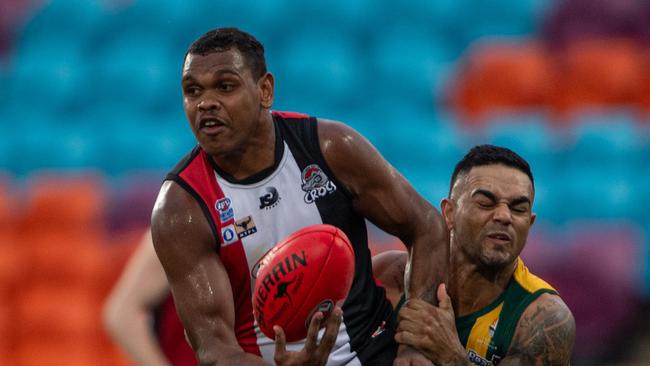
x=319 y=67
x=135 y=66
x=48 y=75
x=500 y=75
x=410 y=62
x=598 y=72
x=63 y=202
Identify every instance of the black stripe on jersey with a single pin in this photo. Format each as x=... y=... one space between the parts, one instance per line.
x=366 y=306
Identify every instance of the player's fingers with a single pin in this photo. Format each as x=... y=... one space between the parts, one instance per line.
x=410 y=326
x=312 y=333
x=407 y=338
x=444 y=301
x=331 y=332
x=280 y=343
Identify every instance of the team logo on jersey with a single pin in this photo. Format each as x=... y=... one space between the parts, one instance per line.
x=315 y=183
x=224 y=207
x=269 y=199
x=245 y=227
x=229 y=235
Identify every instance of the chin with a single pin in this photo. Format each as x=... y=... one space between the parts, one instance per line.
x=496 y=260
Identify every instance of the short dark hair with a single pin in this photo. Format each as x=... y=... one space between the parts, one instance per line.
x=481 y=155
x=224 y=39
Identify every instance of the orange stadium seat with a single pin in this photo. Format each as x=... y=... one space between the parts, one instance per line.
x=65 y=202
x=74 y=258
x=644 y=96
x=46 y=311
x=502 y=75
x=599 y=72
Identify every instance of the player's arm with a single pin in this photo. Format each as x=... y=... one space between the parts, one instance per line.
x=386 y=198
x=198 y=279
x=127 y=310
x=545 y=334
x=388 y=267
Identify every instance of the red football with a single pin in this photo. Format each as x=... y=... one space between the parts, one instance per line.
x=309 y=271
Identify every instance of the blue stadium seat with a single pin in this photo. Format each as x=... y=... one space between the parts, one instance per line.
x=609 y=141
x=66 y=19
x=139 y=69
x=48 y=75
x=320 y=67
x=410 y=62
x=529 y=135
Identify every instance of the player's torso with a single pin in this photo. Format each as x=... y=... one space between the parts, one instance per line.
x=252 y=215
x=487 y=333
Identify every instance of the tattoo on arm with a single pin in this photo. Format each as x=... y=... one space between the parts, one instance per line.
x=544 y=336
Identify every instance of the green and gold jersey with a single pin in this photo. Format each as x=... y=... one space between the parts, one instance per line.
x=486 y=334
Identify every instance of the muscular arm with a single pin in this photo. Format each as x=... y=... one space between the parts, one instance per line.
x=199 y=282
x=127 y=311
x=384 y=196
x=545 y=335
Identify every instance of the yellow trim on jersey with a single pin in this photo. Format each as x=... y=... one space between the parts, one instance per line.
x=479 y=337
x=527 y=280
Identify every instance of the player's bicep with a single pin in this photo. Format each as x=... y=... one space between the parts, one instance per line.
x=379 y=191
x=199 y=282
x=545 y=334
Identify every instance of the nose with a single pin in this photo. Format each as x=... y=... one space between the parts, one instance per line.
x=209 y=103
x=502 y=214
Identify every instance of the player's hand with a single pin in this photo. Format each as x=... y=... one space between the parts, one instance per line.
x=431 y=330
x=313 y=353
x=408 y=356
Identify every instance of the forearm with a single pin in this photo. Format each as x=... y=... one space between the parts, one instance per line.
x=428 y=260
x=131 y=330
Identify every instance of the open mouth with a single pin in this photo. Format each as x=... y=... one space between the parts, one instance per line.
x=211 y=125
x=499 y=236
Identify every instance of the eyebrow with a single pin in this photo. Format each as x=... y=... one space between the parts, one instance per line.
x=216 y=74
x=492 y=197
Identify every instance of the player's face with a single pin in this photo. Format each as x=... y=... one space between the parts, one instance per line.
x=492 y=214
x=223 y=101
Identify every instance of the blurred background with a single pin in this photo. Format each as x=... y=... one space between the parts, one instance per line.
x=91 y=119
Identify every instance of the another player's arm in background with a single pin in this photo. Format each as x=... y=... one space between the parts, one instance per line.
x=198 y=279
x=385 y=197
x=127 y=311
x=545 y=335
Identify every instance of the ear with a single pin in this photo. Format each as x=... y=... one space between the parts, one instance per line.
x=448 y=208
x=533 y=216
x=266 y=85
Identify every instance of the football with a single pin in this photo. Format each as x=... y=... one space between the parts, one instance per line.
x=309 y=271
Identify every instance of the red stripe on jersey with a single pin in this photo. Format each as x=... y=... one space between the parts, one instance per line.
x=289 y=114
x=201 y=177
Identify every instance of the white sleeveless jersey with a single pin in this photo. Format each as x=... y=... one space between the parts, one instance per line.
x=248 y=217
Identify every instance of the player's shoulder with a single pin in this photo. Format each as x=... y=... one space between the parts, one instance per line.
x=174 y=208
x=545 y=331
x=338 y=136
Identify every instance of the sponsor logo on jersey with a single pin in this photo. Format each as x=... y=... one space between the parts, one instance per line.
x=474 y=358
x=315 y=183
x=380 y=329
x=229 y=235
x=245 y=227
x=269 y=199
x=224 y=207
x=493 y=327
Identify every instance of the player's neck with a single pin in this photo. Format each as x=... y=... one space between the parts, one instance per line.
x=255 y=155
x=472 y=286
